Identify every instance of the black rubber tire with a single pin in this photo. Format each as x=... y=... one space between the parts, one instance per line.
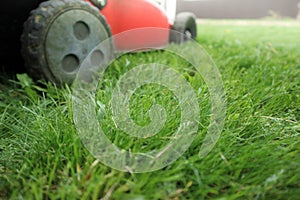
x=185 y=23
x=37 y=31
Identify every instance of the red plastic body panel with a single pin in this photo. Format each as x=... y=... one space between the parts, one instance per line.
x=124 y=15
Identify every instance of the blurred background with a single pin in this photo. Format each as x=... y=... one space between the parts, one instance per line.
x=246 y=9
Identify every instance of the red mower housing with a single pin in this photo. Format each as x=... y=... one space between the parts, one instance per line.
x=123 y=16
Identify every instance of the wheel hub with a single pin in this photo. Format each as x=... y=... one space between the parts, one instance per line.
x=188 y=35
x=70 y=38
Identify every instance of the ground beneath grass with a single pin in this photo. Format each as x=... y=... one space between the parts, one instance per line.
x=256 y=157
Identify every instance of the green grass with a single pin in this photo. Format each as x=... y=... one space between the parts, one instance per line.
x=257 y=156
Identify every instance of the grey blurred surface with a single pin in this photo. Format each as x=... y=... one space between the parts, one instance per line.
x=239 y=8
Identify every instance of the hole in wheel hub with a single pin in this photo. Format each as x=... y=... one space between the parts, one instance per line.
x=70 y=63
x=97 y=57
x=81 y=30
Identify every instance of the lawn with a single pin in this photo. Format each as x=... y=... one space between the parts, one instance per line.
x=256 y=157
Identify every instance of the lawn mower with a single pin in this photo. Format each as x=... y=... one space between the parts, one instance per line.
x=56 y=35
